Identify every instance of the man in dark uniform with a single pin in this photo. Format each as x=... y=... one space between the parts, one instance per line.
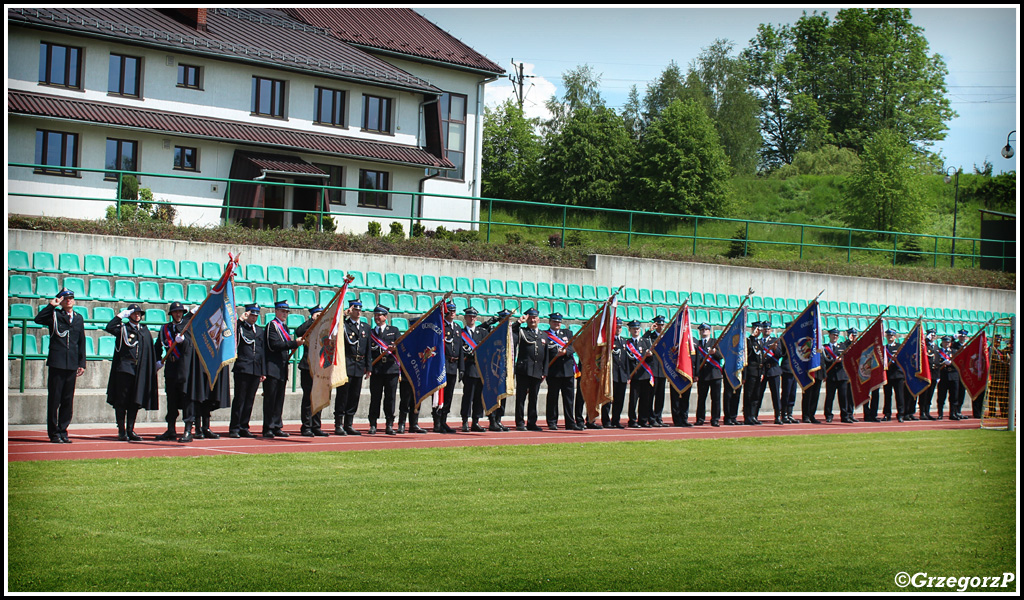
x=949 y=379
x=357 y=365
x=611 y=413
x=658 y=392
x=924 y=401
x=407 y=406
x=250 y=370
x=531 y=366
x=809 y=398
x=470 y=334
x=384 y=369
x=65 y=362
x=311 y=424
x=894 y=382
x=752 y=376
x=452 y=368
x=680 y=401
x=561 y=374
x=788 y=399
x=132 y=383
x=709 y=375
x=277 y=348
x=833 y=372
x=771 y=371
x=850 y=409
x=961 y=392
x=498 y=413
x=177 y=363
x=638 y=355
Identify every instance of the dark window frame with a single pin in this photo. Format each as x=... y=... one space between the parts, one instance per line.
x=42 y=147
x=382 y=181
x=195 y=159
x=334 y=197
x=119 y=158
x=46 y=66
x=278 y=97
x=183 y=76
x=338 y=100
x=122 y=69
x=382 y=109
x=446 y=122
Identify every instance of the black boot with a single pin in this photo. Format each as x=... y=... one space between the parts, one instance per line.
x=414 y=423
x=187 y=437
x=170 y=435
x=130 y=426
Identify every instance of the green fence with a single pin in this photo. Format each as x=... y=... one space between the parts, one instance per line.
x=692 y=233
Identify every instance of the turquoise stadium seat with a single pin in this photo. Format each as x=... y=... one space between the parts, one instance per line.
x=672 y=298
x=119 y=266
x=101 y=315
x=154 y=317
x=401 y=323
x=99 y=290
x=196 y=293
x=125 y=291
x=512 y=288
x=411 y=282
x=306 y=298
x=369 y=300
x=212 y=270
x=574 y=311
x=143 y=267
x=106 y=349
x=296 y=275
x=275 y=275
x=189 y=269
x=658 y=296
x=387 y=300
x=480 y=286
x=174 y=292
x=294 y=320
x=589 y=293
x=76 y=285
x=26 y=342
x=463 y=285
x=287 y=295
x=559 y=291
x=17 y=260
x=326 y=296
x=494 y=307
x=406 y=304
x=243 y=294
x=644 y=296
x=393 y=282
x=496 y=287
x=255 y=274
x=374 y=280
x=95 y=265
x=149 y=291
x=529 y=289
x=264 y=296
x=166 y=268
x=696 y=299
x=43 y=262
x=317 y=277
x=70 y=264
x=22 y=311
x=629 y=294
x=446 y=283
x=428 y=283
x=47 y=286
x=358 y=278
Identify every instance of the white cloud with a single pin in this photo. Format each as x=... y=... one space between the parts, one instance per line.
x=536 y=91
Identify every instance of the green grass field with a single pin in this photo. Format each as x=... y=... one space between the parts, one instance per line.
x=828 y=512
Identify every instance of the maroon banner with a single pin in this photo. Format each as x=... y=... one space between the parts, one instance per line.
x=972 y=363
x=865 y=363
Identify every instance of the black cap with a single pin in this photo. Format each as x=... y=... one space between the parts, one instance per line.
x=176 y=306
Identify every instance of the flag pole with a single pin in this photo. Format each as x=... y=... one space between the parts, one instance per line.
x=348 y=279
x=839 y=359
x=681 y=308
x=412 y=327
x=970 y=341
x=726 y=328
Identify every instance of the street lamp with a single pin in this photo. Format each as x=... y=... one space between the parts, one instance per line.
x=1007 y=150
x=956 y=190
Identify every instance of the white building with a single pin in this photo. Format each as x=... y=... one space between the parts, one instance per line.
x=376 y=99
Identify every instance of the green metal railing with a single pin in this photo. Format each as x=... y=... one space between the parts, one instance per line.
x=629 y=217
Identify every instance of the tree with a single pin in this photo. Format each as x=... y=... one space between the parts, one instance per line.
x=662 y=91
x=681 y=166
x=585 y=162
x=582 y=89
x=886 y=193
x=511 y=150
x=631 y=116
x=770 y=59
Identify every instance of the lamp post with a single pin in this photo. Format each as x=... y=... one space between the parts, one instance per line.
x=956 y=190
x=1007 y=150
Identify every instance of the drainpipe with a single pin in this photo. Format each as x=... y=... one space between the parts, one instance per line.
x=479 y=147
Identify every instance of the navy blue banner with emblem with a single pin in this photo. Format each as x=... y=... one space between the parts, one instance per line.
x=911 y=359
x=733 y=346
x=802 y=340
x=213 y=327
x=421 y=354
x=494 y=358
x=666 y=348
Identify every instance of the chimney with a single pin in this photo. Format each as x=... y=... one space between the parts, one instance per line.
x=193 y=17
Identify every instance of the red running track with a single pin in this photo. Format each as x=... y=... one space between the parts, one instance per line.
x=99 y=442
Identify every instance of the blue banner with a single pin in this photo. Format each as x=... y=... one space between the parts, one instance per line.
x=733 y=346
x=912 y=361
x=666 y=348
x=802 y=340
x=494 y=358
x=213 y=327
x=421 y=354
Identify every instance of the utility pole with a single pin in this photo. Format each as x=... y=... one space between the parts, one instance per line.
x=517 y=81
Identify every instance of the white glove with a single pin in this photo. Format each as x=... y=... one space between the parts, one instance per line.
x=124 y=314
x=159 y=364
x=179 y=339
x=192 y=309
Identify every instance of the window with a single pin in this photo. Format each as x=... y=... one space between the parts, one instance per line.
x=335 y=180
x=373 y=180
x=376 y=114
x=123 y=75
x=453 y=133
x=188 y=77
x=186 y=159
x=60 y=65
x=330 y=107
x=58 y=149
x=267 y=97
x=122 y=155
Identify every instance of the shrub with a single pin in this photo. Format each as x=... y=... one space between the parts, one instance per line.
x=514 y=238
x=739 y=246
x=397 y=231
x=575 y=238
x=418 y=230
x=328 y=224
x=443 y=234
x=555 y=240
x=373 y=229
x=165 y=212
x=466 y=236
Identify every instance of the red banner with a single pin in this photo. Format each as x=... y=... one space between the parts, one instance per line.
x=864 y=362
x=684 y=364
x=972 y=363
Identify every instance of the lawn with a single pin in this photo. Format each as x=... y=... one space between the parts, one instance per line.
x=801 y=513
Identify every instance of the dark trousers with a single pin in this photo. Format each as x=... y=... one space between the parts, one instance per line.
x=658 y=399
x=527 y=391
x=871 y=407
x=833 y=388
x=680 y=405
x=641 y=402
x=346 y=401
x=924 y=401
x=618 y=399
x=788 y=393
x=241 y=405
x=895 y=388
x=383 y=385
x=960 y=395
x=310 y=422
x=703 y=387
x=273 y=404
x=809 y=400
x=407 y=404
x=560 y=386
x=60 y=397
x=848 y=391
x=772 y=384
x=449 y=397
x=580 y=406
x=947 y=388
x=730 y=401
x=178 y=400
x=751 y=399
x=472 y=399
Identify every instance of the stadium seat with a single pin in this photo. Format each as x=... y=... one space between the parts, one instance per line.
x=406 y=303
x=195 y=293
x=275 y=275
x=513 y=289
x=393 y=282
x=529 y=289
x=335 y=277
x=589 y=310
x=646 y=314
x=124 y=290
x=445 y=284
x=401 y=323
x=47 y=286
x=559 y=291
x=95 y=265
x=264 y=296
x=189 y=269
x=119 y=266
x=166 y=269
x=411 y=282
x=76 y=285
x=23 y=341
x=672 y=298
x=588 y=293
x=294 y=320
x=154 y=317
x=801 y=304
x=463 y=285
x=287 y=295
x=574 y=311
x=358 y=278
x=658 y=296
x=143 y=267
x=101 y=315
x=423 y=303
x=17 y=260
x=99 y=290
x=369 y=300
x=149 y=291
x=16 y=312
x=306 y=298
x=428 y=283
x=174 y=292
x=494 y=307
x=480 y=286
x=790 y=305
x=603 y=292
x=543 y=307
x=70 y=264
x=43 y=262
x=629 y=294
x=243 y=295
x=385 y=299
x=461 y=303
x=496 y=287
x=317 y=277
x=374 y=281
x=106 y=347
x=696 y=299
x=558 y=306
x=212 y=270
x=255 y=274
x=296 y=276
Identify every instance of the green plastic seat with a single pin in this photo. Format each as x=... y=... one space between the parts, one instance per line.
x=632 y=314
x=125 y=291
x=358 y=279
x=385 y=299
x=287 y=295
x=401 y=323
x=149 y=291
x=166 y=269
x=174 y=292
x=212 y=270
x=99 y=290
x=428 y=283
x=588 y=293
x=512 y=288
x=143 y=267
x=629 y=294
x=26 y=342
x=696 y=299
x=119 y=266
x=275 y=275
x=47 y=286
x=603 y=292
x=543 y=308
x=189 y=269
x=790 y=305
x=494 y=307
x=574 y=311
x=154 y=317
x=68 y=263
x=95 y=265
x=369 y=300
x=317 y=277
x=16 y=312
x=306 y=298
x=335 y=277
x=589 y=310
x=327 y=295
x=195 y=293
x=243 y=294
x=461 y=303
x=445 y=284
x=106 y=346
x=296 y=276
x=17 y=260
x=801 y=304
x=480 y=286
x=529 y=289
x=496 y=287
x=715 y=318
x=294 y=320
x=76 y=285
x=646 y=314
x=406 y=303
x=254 y=274
x=392 y=281
x=463 y=285
x=43 y=262
x=559 y=291
x=411 y=282
x=101 y=315
x=374 y=280
x=644 y=296
x=658 y=296
x=672 y=298
x=423 y=303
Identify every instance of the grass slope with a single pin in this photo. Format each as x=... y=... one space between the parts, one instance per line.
x=836 y=513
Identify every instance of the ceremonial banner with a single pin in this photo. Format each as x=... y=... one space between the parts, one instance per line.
x=971 y=362
x=733 y=346
x=684 y=363
x=421 y=354
x=666 y=348
x=212 y=326
x=912 y=359
x=494 y=358
x=593 y=344
x=326 y=352
x=802 y=340
x=864 y=363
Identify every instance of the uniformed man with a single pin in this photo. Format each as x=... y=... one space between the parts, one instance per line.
x=453 y=366
x=752 y=376
x=961 y=392
x=834 y=374
x=471 y=334
x=312 y=424
x=384 y=369
x=177 y=363
x=531 y=367
x=788 y=380
x=809 y=398
x=357 y=365
x=278 y=345
x=407 y=406
x=498 y=413
x=638 y=357
x=658 y=392
x=924 y=401
x=851 y=337
x=949 y=379
x=611 y=413
x=250 y=370
x=561 y=374
x=771 y=371
x=65 y=362
x=709 y=375
x=132 y=383
x=894 y=382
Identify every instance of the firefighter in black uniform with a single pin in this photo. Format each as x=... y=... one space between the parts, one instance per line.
x=531 y=366
x=452 y=368
x=752 y=376
x=177 y=362
x=561 y=374
x=357 y=365
x=638 y=357
x=709 y=375
x=894 y=383
x=132 y=385
x=384 y=369
x=924 y=401
x=65 y=362
x=611 y=413
x=830 y=353
x=311 y=424
x=250 y=369
x=658 y=392
x=278 y=345
x=470 y=334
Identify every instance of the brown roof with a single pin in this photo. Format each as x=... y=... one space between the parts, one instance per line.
x=41 y=105
x=400 y=30
x=281 y=163
x=259 y=36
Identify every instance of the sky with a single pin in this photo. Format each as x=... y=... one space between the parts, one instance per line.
x=632 y=45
